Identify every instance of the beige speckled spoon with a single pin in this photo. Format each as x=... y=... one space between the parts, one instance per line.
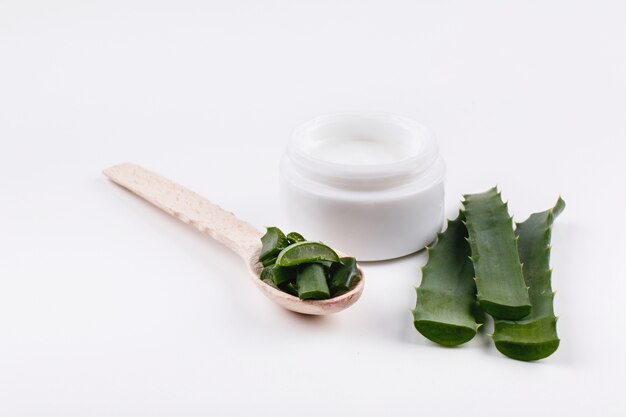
x=224 y=227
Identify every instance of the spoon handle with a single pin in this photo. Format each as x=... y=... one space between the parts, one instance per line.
x=187 y=206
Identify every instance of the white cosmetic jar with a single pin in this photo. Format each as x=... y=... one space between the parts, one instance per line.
x=368 y=184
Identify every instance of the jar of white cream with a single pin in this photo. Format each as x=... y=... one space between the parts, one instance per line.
x=369 y=184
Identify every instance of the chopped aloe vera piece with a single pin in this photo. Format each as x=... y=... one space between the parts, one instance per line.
x=269 y=262
x=327 y=264
x=271 y=283
x=501 y=288
x=281 y=256
x=266 y=273
x=289 y=288
x=311 y=283
x=306 y=252
x=343 y=276
x=295 y=237
x=274 y=240
x=266 y=277
x=280 y=278
x=446 y=298
x=533 y=337
x=282 y=274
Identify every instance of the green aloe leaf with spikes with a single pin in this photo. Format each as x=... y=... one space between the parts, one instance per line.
x=502 y=292
x=533 y=337
x=445 y=311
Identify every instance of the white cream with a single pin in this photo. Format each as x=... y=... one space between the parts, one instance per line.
x=356 y=151
x=355 y=140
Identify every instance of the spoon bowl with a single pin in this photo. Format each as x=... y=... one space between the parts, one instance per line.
x=226 y=228
x=288 y=301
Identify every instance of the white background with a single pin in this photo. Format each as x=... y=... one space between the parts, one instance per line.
x=110 y=308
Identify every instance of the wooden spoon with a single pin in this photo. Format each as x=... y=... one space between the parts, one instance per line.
x=224 y=227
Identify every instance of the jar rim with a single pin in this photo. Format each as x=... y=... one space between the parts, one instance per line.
x=415 y=145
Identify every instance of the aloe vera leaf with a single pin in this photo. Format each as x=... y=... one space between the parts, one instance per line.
x=273 y=241
x=294 y=237
x=343 y=276
x=306 y=252
x=266 y=277
x=446 y=297
x=281 y=275
x=269 y=262
x=534 y=337
x=289 y=288
x=502 y=291
x=311 y=282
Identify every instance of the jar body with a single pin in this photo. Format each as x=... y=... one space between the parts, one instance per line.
x=368 y=222
x=370 y=226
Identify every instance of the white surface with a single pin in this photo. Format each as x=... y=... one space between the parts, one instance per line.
x=110 y=308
